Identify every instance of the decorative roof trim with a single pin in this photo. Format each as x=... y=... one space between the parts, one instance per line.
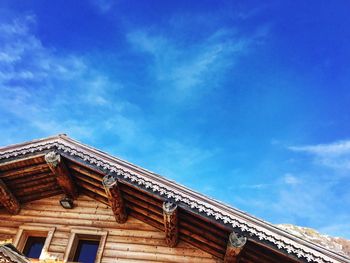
x=250 y=226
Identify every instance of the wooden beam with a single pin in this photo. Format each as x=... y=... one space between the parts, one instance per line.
x=60 y=170
x=115 y=198
x=8 y=200
x=170 y=215
x=234 y=247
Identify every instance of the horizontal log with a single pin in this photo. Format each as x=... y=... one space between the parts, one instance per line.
x=8 y=230
x=39 y=195
x=152 y=256
x=52 y=185
x=124 y=260
x=95 y=196
x=160 y=249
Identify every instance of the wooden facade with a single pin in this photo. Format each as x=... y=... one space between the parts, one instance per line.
x=136 y=215
x=134 y=241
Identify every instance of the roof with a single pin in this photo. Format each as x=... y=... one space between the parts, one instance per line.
x=208 y=210
x=9 y=254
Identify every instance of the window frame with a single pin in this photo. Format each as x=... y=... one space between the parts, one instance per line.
x=85 y=234
x=26 y=231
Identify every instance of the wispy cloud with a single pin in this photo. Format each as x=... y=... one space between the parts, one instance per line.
x=334 y=155
x=335 y=148
x=49 y=90
x=103 y=5
x=182 y=69
x=291 y=179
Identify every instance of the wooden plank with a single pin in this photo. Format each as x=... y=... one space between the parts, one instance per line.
x=203 y=232
x=30 y=178
x=88 y=172
x=23 y=191
x=142 y=203
x=202 y=246
x=141 y=195
x=201 y=239
x=8 y=200
x=40 y=194
x=145 y=212
x=22 y=162
x=36 y=168
x=98 y=190
x=197 y=223
x=95 y=196
x=59 y=169
x=147 y=220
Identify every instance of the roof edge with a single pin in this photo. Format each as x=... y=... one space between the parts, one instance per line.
x=250 y=225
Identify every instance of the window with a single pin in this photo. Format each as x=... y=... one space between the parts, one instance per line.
x=34 y=246
x=34 y=241
x=85 y=246
x=86 y=251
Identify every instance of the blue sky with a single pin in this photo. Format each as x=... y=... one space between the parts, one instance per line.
x=244 y=101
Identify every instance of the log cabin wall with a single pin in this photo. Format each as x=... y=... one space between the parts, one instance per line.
x=133 y=241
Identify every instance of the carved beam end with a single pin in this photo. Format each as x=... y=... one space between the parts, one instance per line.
x=170 y=215
x=60 y=170
x=8 y=200
x=53 y=158
x=115 y=198
x=235 y=245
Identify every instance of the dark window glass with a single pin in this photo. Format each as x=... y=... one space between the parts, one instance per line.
x=33 y=246
x=86 y=251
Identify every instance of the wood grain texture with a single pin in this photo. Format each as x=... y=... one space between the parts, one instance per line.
x=171 y=228
x=115 y=199
x=134 y=241
x=8 y=200
x=60 y=170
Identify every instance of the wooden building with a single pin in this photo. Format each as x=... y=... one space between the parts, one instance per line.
x=61 y=200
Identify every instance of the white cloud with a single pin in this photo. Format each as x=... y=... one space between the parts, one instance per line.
x=291 y=179
x=182 y=70
x=335 y=148
x=49 y=90
x=335 y=155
